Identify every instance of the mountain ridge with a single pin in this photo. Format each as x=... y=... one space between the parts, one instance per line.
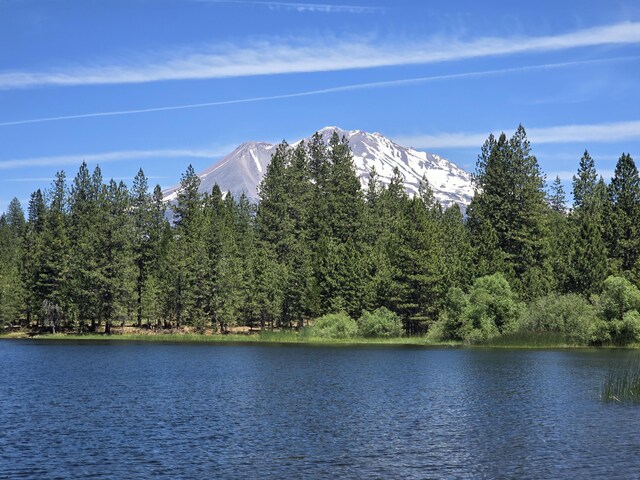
x=242 y=169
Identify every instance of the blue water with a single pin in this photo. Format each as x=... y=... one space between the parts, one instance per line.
x=128 y=410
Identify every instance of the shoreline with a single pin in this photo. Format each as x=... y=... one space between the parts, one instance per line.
x=293 y=339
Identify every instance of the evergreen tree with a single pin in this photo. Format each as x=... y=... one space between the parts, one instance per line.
x=267 y=291
x=228 y=282
x=557 y=197
x=510 y=198
x=624 y=234
x=285 y=224
x=33 y=255
x=344 y=192
x=246 y=242
x=12 y=226
x=589 y=257
x=84 y=225
x=456 y=249
x=588 y=254
x=115 y=263
x=143 y=241
x=189 y=254
x=584 y=183
x=54 y=273
x=158 y=244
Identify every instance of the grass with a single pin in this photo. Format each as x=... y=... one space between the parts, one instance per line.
x=265 y=337
x=520 y=340
x=622 y=383
x=529 y=340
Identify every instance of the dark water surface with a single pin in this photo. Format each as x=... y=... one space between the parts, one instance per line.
x=136 y=410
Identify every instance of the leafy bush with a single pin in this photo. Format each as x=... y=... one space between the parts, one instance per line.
x=618 y=297
x=489 y=309
x=380 y=323
x=493 y=309
x=450 y=323
x=570 y=315
x=335 y=325
x=619 y=311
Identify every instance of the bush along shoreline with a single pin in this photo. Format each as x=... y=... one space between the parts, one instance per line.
x=488 y=314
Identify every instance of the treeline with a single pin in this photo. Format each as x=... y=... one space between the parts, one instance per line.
x=96 y=253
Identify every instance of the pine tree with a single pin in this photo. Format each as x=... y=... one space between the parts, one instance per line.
x=54 y=273
x=143 y=241
x=84 y=225
x=228 y=282
x=588 y=264
x=115 y=263
x=286 y=225
x=344 y=192
x=12 y=227
x=560 y=236
x=584 y=183
x=158 y=243
x=510 y=198
x=589 y=257
x=32 y=255
x=338 y=238
x=189 y=254
x=456 y=249
x=557 y=197
x=246 y=240
x=391 y=252
x=624 y=234
x=268 y=290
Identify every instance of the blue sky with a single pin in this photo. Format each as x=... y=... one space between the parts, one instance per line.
x=98 y=80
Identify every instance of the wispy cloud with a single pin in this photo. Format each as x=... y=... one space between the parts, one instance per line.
x=342 y=88
x=587 y=134
x=28 y=179
x=302 y=7
x=281 y=57
x=107 y=157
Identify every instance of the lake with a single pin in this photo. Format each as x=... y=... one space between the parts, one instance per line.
x=142 y=410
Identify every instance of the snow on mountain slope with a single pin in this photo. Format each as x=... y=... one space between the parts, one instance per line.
x=242 y=170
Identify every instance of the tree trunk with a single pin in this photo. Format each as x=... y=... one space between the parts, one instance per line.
x=139 y=313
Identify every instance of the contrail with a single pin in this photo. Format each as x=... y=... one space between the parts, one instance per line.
x=343 y=88
x=303 y=7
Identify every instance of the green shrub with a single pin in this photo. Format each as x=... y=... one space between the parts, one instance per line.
x=570 y=315
x=618 y=297
x=380 y=323
x=449 y=325
x=618 y=306
x=630 y=329
x=335 y=325
x=493 y=308
x=489 y=309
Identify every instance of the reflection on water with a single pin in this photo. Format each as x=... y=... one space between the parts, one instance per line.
x=127 y=410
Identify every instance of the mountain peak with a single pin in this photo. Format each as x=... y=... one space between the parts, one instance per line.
x=331 y=129
x=241 y=171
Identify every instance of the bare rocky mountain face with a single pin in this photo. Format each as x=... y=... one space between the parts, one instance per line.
x=241 y=170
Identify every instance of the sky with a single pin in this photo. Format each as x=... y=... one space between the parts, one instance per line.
x=161 y=84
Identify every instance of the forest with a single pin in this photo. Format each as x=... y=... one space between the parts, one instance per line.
x=318 y=249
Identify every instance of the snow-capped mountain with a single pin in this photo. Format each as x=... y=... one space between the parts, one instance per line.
x=241 y=170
